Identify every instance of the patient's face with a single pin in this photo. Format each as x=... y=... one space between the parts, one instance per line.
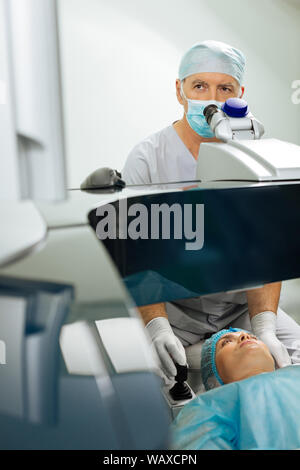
x=240 y=355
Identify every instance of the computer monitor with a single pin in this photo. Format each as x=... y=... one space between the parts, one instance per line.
x=32 y=163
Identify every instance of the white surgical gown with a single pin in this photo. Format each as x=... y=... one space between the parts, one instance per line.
x=160 y=158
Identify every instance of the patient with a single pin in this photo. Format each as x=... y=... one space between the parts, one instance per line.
x=232 y=355
x=248 y=404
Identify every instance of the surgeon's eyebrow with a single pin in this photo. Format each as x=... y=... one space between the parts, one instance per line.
x=226 y=84
x=203 y=82
x=229 y=84
x=197 y=80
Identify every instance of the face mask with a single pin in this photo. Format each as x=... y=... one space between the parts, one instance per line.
x=195 y=116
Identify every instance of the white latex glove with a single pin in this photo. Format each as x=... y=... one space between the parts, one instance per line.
x=167 y=346
x=264 y=327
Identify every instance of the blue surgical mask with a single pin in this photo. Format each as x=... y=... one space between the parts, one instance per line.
x=195 y=116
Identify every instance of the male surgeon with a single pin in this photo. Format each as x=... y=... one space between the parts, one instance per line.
x=209 y=72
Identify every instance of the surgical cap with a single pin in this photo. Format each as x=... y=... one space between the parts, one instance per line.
x=209 y=372
x=213 y=56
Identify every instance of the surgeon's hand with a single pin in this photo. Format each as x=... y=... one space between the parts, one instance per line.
x=167 y=346
x=264 y=327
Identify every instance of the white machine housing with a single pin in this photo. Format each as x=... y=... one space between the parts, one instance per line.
x=230 y=128
x=243 y=155
x=249 y=160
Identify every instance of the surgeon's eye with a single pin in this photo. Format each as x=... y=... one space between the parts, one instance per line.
x=226 y=89
x=201 y=86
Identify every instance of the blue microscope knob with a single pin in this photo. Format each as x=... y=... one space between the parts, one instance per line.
x=235 y=107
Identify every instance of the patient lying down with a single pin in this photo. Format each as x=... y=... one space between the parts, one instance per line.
x=232 y=355
x=248 y=404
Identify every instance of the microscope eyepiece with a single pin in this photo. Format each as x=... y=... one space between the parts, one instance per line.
x=209 y=111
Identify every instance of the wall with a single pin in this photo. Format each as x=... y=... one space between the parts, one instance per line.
x=120 y=61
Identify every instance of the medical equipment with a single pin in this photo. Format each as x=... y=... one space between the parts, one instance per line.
x=72 y=254
x=179 y=392
x=31 y=316
x=243 y=155
x=44 y=404
x=16 y=215
x=104 y=391
x=236 y=228
x=233 y=121
x=32 y=164
x=103 y=178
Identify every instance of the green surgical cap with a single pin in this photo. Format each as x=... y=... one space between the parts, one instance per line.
x=213 y=56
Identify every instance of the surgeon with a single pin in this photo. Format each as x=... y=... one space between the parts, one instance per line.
x=249 y=404
x=209 y=72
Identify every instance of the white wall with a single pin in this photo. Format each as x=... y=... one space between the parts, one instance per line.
x=120 y=60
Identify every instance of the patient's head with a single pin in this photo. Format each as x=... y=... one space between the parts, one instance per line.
x=232 y=355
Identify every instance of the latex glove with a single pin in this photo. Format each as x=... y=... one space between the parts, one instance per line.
x=167 y=346
x=264 y=327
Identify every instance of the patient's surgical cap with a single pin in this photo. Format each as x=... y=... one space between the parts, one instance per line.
x=209 y=372
x=213 y=56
